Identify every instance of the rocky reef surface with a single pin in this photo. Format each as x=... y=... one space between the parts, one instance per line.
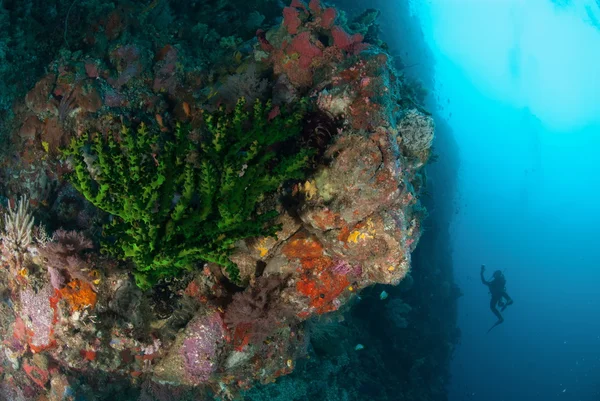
x=73 y=322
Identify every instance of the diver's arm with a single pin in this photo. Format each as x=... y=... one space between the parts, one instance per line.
x=483 y=278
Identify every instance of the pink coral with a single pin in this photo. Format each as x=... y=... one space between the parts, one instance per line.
x=263 y=42
x=344 y=41
x=302 y=45
x=328 y=17
x=315 y=6
x=291 y=20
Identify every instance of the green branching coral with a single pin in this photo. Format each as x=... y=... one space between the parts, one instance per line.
x=174 y=201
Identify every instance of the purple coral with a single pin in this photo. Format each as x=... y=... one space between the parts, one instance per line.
x=10 y=391
x=342 y=268
x=199 y=349
x=63 y=255
x=261 y=307
x=56 y=278
x=38 y=314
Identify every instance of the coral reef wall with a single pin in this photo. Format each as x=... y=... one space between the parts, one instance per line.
x=199 y=200
x=409 y=336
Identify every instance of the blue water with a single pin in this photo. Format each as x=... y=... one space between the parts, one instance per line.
x=523 y=89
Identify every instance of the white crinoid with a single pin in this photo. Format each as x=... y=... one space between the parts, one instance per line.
x=18 y=225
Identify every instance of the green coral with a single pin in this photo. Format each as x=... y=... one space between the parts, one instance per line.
x=174 y=201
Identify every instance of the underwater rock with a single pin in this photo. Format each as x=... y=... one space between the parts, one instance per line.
x=415 y=131
x=193 y=356
x=360 y=178
x=353 y=221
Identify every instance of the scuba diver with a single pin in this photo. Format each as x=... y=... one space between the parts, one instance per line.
x=497 y=287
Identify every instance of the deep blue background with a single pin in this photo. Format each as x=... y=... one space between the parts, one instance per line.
x=523 y=90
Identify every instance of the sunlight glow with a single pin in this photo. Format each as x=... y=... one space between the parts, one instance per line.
x=528 y=52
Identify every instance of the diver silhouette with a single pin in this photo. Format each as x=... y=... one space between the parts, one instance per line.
x=497 y=287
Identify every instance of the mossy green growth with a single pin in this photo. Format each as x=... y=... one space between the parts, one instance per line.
x=176 y=201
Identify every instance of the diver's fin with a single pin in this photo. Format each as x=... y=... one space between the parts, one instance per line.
x=495 y=324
